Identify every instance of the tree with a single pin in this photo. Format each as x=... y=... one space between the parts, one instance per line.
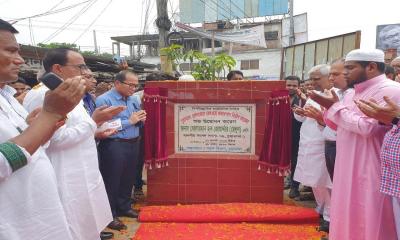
x=59 y=45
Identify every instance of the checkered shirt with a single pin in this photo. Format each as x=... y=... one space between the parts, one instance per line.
x=390 y=165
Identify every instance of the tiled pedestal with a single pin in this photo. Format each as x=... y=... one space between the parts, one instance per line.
x=215 y=178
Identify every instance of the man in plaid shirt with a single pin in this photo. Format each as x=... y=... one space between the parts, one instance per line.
x=390 y=153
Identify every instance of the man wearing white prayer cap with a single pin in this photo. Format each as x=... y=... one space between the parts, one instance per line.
x=358 y=209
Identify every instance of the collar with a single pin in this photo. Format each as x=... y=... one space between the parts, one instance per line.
x=9 y=90
x=368 y=83
x=116 y=94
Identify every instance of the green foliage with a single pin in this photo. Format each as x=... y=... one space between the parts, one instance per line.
x=173 y=53
x=75 y=47
x=58 y=45
x=93 y=53
x=206 y=68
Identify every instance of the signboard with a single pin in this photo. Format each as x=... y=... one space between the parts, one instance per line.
x=198 y=11
x=388 y=37
x=215 y=128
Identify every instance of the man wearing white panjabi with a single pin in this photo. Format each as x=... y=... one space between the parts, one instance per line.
x=72 y=151
x=30 y=206
x=311 y=168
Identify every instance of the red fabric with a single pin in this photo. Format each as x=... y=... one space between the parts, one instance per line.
x=238 y=231
x=276 y=148
x=155 y=102
x=228 y=213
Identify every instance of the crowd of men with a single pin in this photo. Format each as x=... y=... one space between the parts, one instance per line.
x=66 y=155
x=346 y=145
x=67 y=159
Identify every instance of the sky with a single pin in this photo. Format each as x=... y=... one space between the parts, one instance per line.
x=127 y=17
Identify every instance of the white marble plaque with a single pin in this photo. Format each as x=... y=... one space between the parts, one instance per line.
x=215 y=128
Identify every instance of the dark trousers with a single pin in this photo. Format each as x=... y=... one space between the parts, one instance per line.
x=293 y=184
x=118 y=163
x=138 y=180
x=330 y=156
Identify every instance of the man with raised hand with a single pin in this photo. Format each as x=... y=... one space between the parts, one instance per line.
x=30 y=206
x=359 y=210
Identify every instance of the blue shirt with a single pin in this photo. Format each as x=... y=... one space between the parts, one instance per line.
x=113 y=98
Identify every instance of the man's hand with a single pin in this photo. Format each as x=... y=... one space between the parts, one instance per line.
x=301 y=95
x=64 y=98
x=298 y=110
x=105 y=113
x=137 y=117
x=382 y=114
x=105 y=134
x=325 y=101
x=33 y=115
x=314 y=113
x=21 y=97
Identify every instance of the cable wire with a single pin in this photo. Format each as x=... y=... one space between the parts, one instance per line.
x=95 y=19
x=70 y=21
x=50 y=12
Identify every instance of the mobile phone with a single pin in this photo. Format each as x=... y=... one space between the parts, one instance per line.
x=51 y=80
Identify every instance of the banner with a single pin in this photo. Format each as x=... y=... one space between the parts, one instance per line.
x=249 y=36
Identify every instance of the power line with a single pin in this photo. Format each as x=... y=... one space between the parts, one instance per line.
x=205 y=4
x=95 y=19
x=50 y=12
x=58 y=4
x=32 y=36
x=246 y=16
x=70 y=21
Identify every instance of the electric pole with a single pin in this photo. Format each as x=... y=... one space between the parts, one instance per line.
x=163 y=22
x=96 y=50
x=164 y=25
x=291 y=28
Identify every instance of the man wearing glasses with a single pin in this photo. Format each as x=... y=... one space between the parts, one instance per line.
x=72 y=151
x=118 y=154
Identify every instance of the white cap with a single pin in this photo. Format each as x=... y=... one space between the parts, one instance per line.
x=367 y=55
x=186 y=78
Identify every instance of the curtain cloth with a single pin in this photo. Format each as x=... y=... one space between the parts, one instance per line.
x=276 y=148
x=155 y=147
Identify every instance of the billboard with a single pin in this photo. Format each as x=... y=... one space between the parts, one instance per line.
x=388 y=37
x=198 y=11
x=300 y=29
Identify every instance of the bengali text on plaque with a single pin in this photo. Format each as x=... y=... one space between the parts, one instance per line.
x=215 y=128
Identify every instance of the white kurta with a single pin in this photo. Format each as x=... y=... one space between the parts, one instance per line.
x=311 y=168
x=30 y=206
x=72 y=151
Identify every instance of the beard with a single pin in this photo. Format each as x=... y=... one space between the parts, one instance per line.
x=362 y=77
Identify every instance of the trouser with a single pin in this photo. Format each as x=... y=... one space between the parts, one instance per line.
x=330 y=156
x=118 y=163
x=138 y=179
x=396 y=211
x=323 y=198
x=293 y=162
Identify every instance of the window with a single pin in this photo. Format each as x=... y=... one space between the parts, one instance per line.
x=249 y=64
x=273 y=35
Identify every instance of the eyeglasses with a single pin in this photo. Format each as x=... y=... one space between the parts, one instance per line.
x=80 y=66
x=132 y=85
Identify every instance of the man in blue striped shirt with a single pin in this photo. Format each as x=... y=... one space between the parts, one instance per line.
x=118 y=154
